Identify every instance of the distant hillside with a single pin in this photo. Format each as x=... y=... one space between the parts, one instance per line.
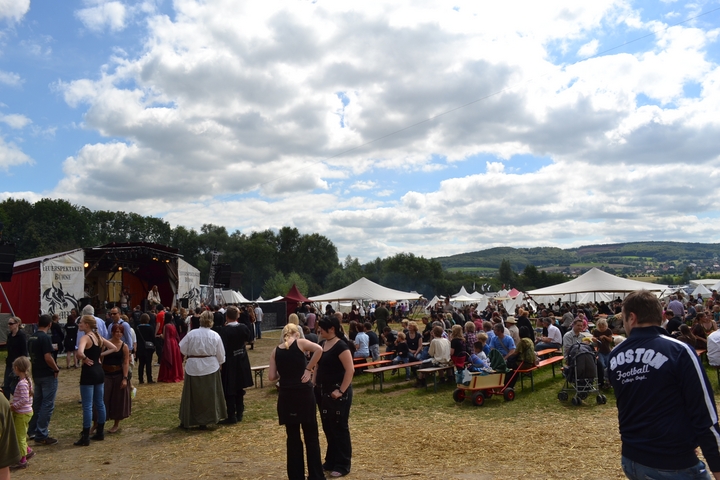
x=630 y=257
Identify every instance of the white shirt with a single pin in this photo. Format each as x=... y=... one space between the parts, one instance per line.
x=258 y=314
x=554 y=334
x=199 y=342
x=713 y=348
x=440 y=350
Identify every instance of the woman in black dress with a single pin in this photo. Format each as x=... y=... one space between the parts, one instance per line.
x=334 y=395
x=16 y=347
x=296 y=401
x=116 y=366
x=145 y=334
x=71 y=331
x=92 y=378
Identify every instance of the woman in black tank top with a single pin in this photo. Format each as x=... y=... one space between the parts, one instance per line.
x=92 y=378
x=296 y=401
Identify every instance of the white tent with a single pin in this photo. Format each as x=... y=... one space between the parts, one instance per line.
x=462 y=299
x=364 y=289
x=708 y=282
x=432 y=302
x=596 y=280
x=231 y=296
x=461 y=293
x=702 y=290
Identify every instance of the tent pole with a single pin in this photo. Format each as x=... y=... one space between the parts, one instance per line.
x=12 y=312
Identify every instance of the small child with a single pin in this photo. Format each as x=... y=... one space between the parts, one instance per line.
x=21 y=407
x=478 y=359
x=389 y=337
x=402 y=352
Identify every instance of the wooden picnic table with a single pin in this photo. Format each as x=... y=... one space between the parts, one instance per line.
x=258 y=372
x=379 y=372
x=543 y=363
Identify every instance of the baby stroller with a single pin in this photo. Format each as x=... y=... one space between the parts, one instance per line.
x=581 y=375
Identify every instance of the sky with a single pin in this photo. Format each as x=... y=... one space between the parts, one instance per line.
x=426 y=127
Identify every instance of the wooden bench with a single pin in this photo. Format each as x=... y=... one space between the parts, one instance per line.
x=434 y=371
x=543 y=363
x=548 y=351
x=359 y=366
x=369 y=359
x=379 y=372
x=258 y=372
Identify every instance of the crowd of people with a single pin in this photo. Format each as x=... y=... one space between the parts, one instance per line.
x=313 y=365
x=106 y=350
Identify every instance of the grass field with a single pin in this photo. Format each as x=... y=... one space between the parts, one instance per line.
x=402 y=432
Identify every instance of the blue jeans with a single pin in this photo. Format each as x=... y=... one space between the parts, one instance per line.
x=258 y=330
x=400 y=359
x=45 y=389
x=635 y=471
x=424 y=355
x=92 y=395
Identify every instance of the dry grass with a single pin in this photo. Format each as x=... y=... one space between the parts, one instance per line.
x=401 y=433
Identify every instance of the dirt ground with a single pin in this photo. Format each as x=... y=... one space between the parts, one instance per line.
x=436 y=439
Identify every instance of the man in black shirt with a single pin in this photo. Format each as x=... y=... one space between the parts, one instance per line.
x=45 y=382
x=674 y=322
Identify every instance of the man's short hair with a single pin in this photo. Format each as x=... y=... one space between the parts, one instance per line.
x=88 y=310
x=44 y=321
x=232 y=313
x=498 y=327
x=646 y=307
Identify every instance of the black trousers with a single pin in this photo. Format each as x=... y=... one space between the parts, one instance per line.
x=235 y=405
x=7 y=388
x=145 y=360
x=159 y=347
x=295 y=460
x=338 y=456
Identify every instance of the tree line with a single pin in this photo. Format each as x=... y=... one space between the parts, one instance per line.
x=268 y=262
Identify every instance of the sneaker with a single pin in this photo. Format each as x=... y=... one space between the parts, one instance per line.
x=134 y=392
x=46 y=441
x=21 y=464
x=30 y=453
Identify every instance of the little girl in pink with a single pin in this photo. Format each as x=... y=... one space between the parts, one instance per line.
x=21 y=407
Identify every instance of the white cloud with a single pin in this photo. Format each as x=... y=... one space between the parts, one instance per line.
x=101 y=14
x=15 y=120
x=10 y=78
x=14 y=9
x=363 y=185
x=11 y=155
x=589 y=49
x=238 y=103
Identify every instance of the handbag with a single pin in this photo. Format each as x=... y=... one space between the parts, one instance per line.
x=149 y=345
x=12 y=382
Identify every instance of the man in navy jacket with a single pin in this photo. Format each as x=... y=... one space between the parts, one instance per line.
x=665 y=402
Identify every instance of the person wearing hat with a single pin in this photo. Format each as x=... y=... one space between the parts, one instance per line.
x=511 y=325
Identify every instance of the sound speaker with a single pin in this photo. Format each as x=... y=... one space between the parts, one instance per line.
x=222 y=275
x=7 y=260
x=235 y=281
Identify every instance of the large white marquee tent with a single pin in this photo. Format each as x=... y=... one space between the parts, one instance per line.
x=364 y=289
x=594 y=285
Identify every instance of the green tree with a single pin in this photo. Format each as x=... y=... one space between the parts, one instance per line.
x=279 y=285
x=506 y=274
x=316 y=259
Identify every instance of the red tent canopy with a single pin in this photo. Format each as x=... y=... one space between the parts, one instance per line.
x=292 y=298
